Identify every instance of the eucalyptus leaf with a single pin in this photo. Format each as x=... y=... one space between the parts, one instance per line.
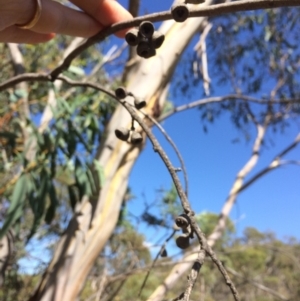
x=76 y=70
x=53 y=203
x=92 y=181
x=15 y=210
x=72 y=196
x=39 y=200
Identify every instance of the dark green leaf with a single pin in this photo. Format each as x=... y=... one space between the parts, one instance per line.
x=73 y=196
x=53 y=204
x=38 y=202
x=15 y=210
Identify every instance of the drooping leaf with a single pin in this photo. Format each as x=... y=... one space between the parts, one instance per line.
x=15 y=210
x=91 y=180
x=39 y=200
x=53 y=204
x=72 y=195
x=76 y=70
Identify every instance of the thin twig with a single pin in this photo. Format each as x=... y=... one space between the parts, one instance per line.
x=26 y=77
x=172 y=170
x=229 y=97
x=276 y=163
x=192 y=277
x=200 y=48
x=163 y=247
x=213 y=10
x=182 y=164
x=184 y=201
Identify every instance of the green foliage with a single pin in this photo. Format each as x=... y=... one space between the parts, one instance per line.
x=256 y=259
x=64 y=152
x=207 y=222
x=16 y=207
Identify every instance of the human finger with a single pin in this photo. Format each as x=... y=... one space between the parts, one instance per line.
x=13 y=34
x=106 y=12
x=61 y=19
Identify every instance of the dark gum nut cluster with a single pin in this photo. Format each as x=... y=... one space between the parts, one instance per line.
x=139 y=104
x=145 y=38
x=136 y=138
x=146 y=29
x=180 y=12
x=122 y=93
x=182 y=242
x=123 y=134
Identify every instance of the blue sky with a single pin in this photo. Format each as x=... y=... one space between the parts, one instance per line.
x=270 y=204
x=212 y=161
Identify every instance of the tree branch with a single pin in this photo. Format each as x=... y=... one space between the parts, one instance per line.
x=229 y=97
x=173 y=172
x=210 y=11
x=199 y=11
x=169 y=139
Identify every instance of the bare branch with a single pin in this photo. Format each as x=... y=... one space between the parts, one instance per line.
x=199 y=11
x=184 y=201
x=26 y=77
x=250 y=164
x=192 y=277
x=182 y=164
x=229 y=97
x=200 y=48
x=213 y=10
x=276 y=163
x=172 y=170
x=133 y=7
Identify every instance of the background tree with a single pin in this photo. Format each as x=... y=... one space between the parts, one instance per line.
x=58 y=139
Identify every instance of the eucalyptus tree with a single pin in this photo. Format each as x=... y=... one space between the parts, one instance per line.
x=67 y=122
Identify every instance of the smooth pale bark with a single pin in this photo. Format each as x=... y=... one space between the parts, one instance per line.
x=95 y=220
x=6 y=254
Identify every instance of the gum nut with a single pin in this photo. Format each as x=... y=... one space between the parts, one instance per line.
x=132 y=37
x=163 y=253
x=139 y=104
x=157 y=39
x=121 y=92
x=122 y=133
x=136 y=138
x=180 y=12
x=147 y=29
x=182 y=242
x=145 y=50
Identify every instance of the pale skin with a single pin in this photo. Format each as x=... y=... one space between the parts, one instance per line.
x=58 y=19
